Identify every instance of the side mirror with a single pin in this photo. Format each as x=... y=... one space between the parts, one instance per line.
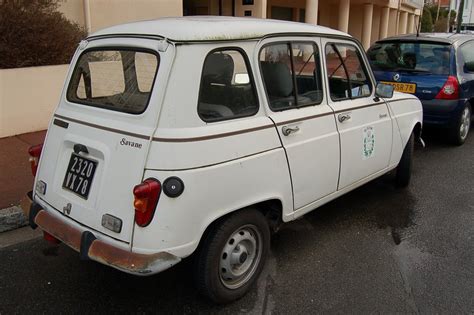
x=384 y=90
x=469 y=66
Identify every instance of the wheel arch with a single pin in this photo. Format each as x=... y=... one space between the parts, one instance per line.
x=417 y=130
x=272 y=209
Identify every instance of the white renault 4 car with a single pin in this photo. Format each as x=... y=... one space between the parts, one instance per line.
x=203 y=135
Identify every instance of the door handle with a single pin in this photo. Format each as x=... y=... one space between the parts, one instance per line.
x=289 y=130
x=343 y=117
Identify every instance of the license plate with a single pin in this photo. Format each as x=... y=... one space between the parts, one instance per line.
x=79 y=174
x=403 y=87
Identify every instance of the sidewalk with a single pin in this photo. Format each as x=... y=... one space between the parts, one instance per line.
x=15 y=172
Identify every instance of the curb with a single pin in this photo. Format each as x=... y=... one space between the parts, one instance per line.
x=12 y=218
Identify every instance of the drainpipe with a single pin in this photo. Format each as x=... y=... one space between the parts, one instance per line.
x=87 y=16
x=449 y=17
x=460 y=14
x=437 y=14
x=398 y=16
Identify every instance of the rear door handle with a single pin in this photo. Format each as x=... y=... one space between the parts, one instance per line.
x=343 y=117
x=289 y=130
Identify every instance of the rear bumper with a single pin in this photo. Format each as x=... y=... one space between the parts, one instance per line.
x=441 y=113
x=92 y=248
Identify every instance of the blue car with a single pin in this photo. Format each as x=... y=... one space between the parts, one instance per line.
x=438 y=69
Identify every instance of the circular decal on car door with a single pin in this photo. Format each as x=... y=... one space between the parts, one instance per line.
x=368 y=138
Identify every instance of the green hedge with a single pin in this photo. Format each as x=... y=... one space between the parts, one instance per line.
x=34 y=33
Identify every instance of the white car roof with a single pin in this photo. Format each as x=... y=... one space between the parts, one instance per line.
x=209 y=28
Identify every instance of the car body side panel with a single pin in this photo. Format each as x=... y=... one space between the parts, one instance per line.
x=183 y=140
x=178 y=149
x=466 y=78
x=210 y=193
x=406 y=111
x=104 y=134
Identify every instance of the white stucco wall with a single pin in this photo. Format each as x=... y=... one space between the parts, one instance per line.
x=28 y=97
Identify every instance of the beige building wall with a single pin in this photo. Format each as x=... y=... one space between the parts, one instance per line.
x=376 y=24
x=110 y=12
x=328 y=13
x=258 y=9
x=73 y=10
x=28 y=97
x=356 y=20
x=392 y=22
x=360 y=18
x=98 y=14
x=104 y=13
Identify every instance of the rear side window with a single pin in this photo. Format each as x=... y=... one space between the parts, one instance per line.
x=227 y=90
x=292 y=75
x=347 y=74
x=119 y=80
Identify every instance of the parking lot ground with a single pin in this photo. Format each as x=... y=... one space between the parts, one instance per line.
x=376 y=250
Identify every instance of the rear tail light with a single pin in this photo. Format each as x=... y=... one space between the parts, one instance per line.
x=146 y=198
x=35 y=152
x=450 y=89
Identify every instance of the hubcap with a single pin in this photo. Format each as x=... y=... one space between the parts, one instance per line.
x=465 y=123
x=240 y=257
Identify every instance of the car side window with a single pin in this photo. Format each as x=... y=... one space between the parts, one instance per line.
x=292 y=74
x=227 y=90
x=347 y=75
x=467 y=52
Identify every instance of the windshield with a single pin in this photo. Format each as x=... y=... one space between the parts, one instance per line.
x=119 y=80
x=411 y=57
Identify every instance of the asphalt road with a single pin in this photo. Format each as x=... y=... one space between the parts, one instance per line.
x=375 y=250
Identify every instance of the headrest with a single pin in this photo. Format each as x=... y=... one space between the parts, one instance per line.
x=219 y=68
x=278 y=79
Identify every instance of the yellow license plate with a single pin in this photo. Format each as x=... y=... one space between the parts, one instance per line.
x=403 y=87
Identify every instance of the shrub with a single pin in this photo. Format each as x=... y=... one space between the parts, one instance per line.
x=34 y=33
x=426 y=21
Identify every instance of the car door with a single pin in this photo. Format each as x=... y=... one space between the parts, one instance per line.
x=292 y=77
x=363 y=120
x=97 y=143
x=466 y=77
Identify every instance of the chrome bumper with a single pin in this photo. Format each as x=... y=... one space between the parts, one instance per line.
x=92 y=248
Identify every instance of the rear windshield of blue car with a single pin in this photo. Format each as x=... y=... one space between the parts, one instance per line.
x=419 y=57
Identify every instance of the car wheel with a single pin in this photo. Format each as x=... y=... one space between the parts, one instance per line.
x=232 y=256
x=461 y=129
x=403 y=172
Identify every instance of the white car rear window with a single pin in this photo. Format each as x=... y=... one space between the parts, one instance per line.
x=119 y=80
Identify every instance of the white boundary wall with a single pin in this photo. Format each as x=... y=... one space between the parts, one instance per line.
x=28 y=97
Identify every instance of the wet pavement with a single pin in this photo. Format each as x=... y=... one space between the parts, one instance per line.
x=376 y=250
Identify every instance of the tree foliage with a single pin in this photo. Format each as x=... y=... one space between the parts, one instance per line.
x=439 y=25
x=426 y=21
x=34 y=33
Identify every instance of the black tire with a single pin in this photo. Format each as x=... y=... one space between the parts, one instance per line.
x=460 y=130
x=403 y=172
x=211 y=257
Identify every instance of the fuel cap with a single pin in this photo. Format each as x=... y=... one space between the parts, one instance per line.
x=173 y=187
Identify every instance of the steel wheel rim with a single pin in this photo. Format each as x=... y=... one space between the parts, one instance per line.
x=240 y=257
x=465 y=123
